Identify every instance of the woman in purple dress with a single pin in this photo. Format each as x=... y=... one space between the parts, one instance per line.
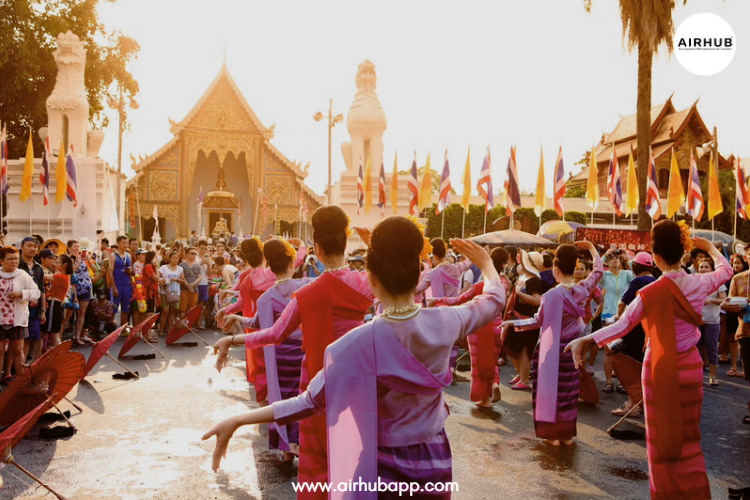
x=381 y=386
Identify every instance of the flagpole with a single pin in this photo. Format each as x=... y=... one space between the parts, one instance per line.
x=140 y=221
x=442 y=227
x=48 y=226
x=734 y=233
x=485 y=218
x=463 y=224
x=257 y=208
x=31 y=213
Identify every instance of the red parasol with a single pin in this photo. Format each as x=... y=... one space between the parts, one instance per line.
x=628 y=372
x=587 y=388
x=13 y=434
x=57 y=372
x=184 y=325
x=100 y=349
x=136 y=335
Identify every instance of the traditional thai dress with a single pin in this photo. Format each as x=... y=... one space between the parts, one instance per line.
x=441 y=281
x=482 y=347
x=669 y=310
x=326 y=309
x=250 y=285
x=283 y=362
x=381 y=393
x=554 y=377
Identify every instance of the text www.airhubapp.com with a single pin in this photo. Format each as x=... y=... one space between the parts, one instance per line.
x=402 y=488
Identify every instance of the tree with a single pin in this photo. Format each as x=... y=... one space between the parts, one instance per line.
x=434 y=175
x=28 y=29
x=648 y=24
x=454 y=218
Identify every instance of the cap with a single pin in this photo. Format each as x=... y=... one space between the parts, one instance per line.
x=140 y=251
x=46 y=254
x=356 y=258
x=644 y=259
x=30 y=238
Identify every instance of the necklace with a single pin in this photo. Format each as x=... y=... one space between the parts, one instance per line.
x=677 y=270
x=282 y=281
x=331 y=270
x=568 y=285
x=402 y=313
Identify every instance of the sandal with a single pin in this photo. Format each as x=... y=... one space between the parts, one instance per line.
x=732 y=372
x=746 y=420
x=87 y=339
x=740 y=374
x=520 y=386
x=78 y=342
x=621 y=389
x=501 y=362
x=608 y=388
x=7 y=380
x=514 y=380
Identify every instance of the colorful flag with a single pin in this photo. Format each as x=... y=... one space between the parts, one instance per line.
x=360 y=189
x=540 y=202
x=740 y=190
x=28 y=170
x=131 y=209
x=413 y=187
x=715 y=206
x=70 y=170
x=425 y=188
x=466 y=181
x=592 y=185
x=394 y=185
x=4 y=160
x=368 y=186
x=61 y=177
x=695 y=196
x=444 y=198
x=653 y=203
x=614 y=187
x=512 y=193
x=484 y=184
x=675 y=193
x=631 y=198
x=381 y=189
x=559 y=187
x=200 y=199
x=44 y=174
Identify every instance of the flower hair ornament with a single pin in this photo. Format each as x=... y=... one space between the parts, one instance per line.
x=288 y=248
x=348 y=229
x=426 y=248
x=258 y=242
x=578 y=264
x=687 y=243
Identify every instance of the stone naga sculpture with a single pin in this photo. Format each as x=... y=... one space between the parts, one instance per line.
x=67 y=106
x=365 y=122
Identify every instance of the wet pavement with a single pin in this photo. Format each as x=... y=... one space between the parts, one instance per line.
x=140 y=439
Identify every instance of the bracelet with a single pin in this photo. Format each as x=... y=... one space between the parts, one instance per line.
x=232 y=341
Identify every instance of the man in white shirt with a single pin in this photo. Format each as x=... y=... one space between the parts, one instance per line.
x=205 y=261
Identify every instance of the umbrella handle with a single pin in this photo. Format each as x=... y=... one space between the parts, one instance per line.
x=461 y=357
x=126 y=368
x=196 y=334
x=70 y=424
x=625 y=416
x=32 y=476
x=153 y=347
x=74 y=405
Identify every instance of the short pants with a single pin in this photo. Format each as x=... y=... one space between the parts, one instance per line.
x=202 y=293
x=15 y=333
x=34 y=332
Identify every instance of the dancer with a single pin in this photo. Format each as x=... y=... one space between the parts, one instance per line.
x=389 y=390
x=326 y=309
x=669 y=310
x=553 y=374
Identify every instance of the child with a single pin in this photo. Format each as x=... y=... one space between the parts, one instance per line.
x=711 y=323
x=592 y=309
x=70 y=300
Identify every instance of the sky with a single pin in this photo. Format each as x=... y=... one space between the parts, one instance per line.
x=460 y=76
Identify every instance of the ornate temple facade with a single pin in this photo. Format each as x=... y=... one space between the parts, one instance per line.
x=222 y=151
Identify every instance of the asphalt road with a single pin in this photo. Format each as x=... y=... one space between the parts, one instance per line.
x=140 y=439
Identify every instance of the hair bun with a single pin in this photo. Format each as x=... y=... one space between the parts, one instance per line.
x=274 y=250
x=397 y=239
x=330 y=219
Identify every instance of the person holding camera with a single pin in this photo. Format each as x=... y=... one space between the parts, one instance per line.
x=313 y=266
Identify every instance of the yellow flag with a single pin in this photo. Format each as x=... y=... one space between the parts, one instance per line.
x=632 y=198
x=466 y=180
x=425 y=189
x=676 y=192
x=368 y=186
x=28 y=171
x=540 y=203
x=394 y=185
x=61 y=175
x=714 y=196
x=592 y=186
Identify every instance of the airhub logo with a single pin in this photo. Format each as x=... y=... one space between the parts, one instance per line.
x=704 y=44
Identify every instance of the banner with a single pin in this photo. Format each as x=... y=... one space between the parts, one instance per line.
x=85 y=214
x=625 y=239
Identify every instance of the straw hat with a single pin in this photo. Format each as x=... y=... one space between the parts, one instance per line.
x=532 y=262
x=61 y=247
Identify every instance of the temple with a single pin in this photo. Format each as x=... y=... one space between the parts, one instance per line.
x=220 y=143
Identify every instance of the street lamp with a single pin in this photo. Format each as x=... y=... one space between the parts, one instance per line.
x=332 y=121
x=119 y=105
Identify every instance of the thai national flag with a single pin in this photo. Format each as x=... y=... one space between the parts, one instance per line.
x=381 y=190
x=44 y=174
x=559 y=186
x=484 y=184
x=445 y=187
x=413 y=187
x=741 y=191
x=513 y=194
x=653 y=204
x=695 y=196
x=4 y=161
x=70 y=169
x=360 y=189
x=614 y=187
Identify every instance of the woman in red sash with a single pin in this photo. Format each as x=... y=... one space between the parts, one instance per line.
x=326 y=309
x=669 y=311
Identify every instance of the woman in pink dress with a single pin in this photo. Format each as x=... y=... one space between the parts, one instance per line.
x=381 y=386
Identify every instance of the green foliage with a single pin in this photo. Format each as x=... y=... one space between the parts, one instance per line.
x=454 y=215
x=725 y=220
x=28 y=29
x=578 y=217
x=433 y=175
x=575 y=191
